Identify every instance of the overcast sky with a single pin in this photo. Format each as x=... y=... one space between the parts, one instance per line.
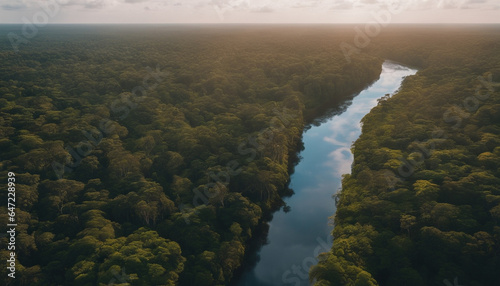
x=248 y=11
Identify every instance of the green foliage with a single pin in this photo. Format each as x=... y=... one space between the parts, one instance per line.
x=427 y=160
x=111 y=130
x=224 y=116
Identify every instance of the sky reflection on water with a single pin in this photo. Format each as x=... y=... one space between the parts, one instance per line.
x=294 y=236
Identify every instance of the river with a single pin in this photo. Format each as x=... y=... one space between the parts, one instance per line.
x=296 y=237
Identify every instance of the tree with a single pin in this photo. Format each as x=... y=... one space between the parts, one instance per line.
x=407 y=221
x=122 y=163
x=231 y=255
x=97 y=226
x=426 y=191
x=27 y=190
x=62 y=193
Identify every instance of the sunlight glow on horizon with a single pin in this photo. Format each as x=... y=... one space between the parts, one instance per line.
x=247 y=11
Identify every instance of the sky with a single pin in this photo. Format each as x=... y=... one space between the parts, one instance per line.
x=249 y=11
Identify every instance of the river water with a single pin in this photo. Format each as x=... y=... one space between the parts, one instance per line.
x=298 y=236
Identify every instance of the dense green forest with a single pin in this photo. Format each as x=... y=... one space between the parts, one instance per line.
x=422 y=205
x=153 y=155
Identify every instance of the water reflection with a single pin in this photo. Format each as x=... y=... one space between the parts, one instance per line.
x=296 y=237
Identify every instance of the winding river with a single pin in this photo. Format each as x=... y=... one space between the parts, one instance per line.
x=298 y=236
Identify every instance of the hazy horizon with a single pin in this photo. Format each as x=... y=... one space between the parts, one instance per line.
x=249 y=11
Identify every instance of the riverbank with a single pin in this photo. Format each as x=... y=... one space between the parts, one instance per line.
x=297 y=237
x=421 y=206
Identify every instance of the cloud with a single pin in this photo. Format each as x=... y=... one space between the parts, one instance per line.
x=95 y=4
x=88 y=4
x=341 y=161
x=264 y=9
x=451 y=4
x=337 y=11
x=481 y=4
x=308 y=4
x=342 y=5
x=14 y=6
x=475 y=1
x=416 y=5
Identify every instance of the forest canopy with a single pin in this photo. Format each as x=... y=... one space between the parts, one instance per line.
x=156 y=154
x=421 y=204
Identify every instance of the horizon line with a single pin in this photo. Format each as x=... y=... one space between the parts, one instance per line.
x=259 y=23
